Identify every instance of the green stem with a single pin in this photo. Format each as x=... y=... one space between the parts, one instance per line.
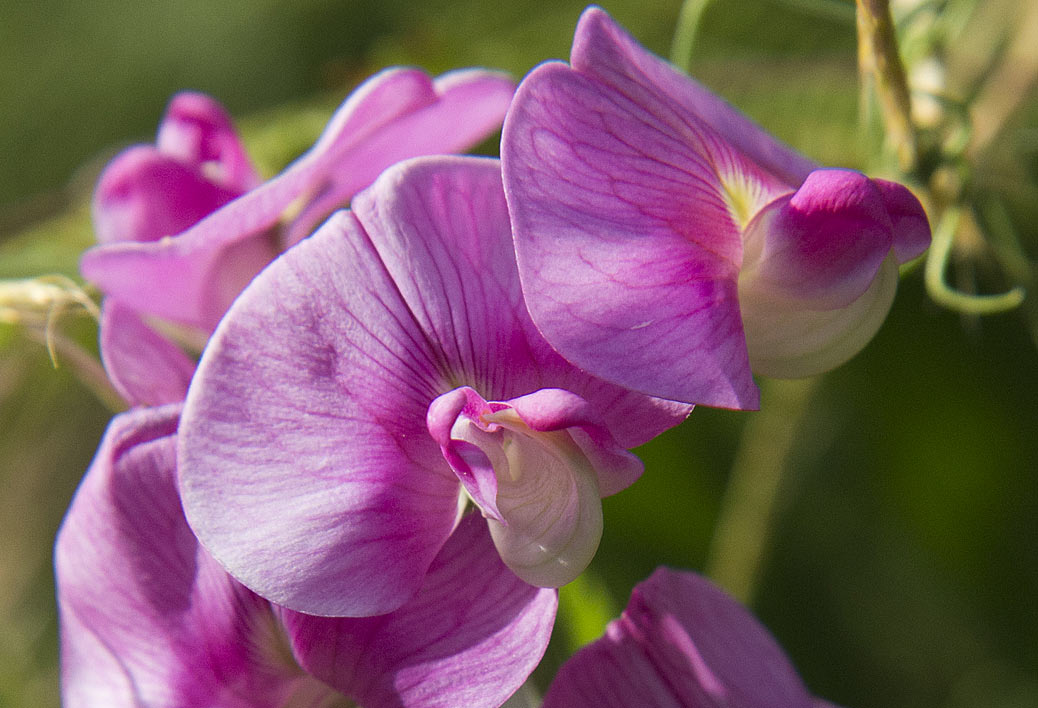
x=879 y=63
x=685 y=34
x=937 y=264
x=749 y=510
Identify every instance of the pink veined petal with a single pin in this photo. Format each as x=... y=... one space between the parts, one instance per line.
x=820 y=248
x=197 y=131
x=680 y=642
x=605 y=51
x=144 y=195
x=910 y=226
x=395 y=114
x=627 y=244
x=186 y=280
x=143 y=366
x=147 y=618
x=469 y=637
x=306 y=468
x=646 y=211
x=627 y=205
x=450 y=114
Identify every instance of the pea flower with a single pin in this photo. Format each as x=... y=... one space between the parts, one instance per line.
x=379 y=377
x=681 y=642
x=150 y=620
x=185 y=225
x=668 y=244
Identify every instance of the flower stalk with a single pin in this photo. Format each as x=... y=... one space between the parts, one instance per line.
x=760 y=471
x=685 y=35
x=879 y=63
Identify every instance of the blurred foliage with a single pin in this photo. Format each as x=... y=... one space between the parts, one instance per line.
x=903 y=567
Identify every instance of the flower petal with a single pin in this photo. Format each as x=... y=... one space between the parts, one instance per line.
x=910 y=225
x=468 y=458
x=552 y=512
x=646 y=212
x=820 y=248
x=793 y=343
x=143 y=366
x=306 y=468
x=545 y=410
x=627 y=234
x=550 y=410
x=445 y=115
x=148 y=620
x=396 y=114
x=605 y=51
x=680 y=642
x=469 y=637
x=187 y=280
x=144 y=195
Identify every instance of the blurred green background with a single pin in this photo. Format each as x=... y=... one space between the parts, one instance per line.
x=902 y=569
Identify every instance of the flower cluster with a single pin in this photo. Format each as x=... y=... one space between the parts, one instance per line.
x=406 y=413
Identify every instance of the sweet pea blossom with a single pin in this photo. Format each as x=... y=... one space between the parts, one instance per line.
x=185 y=225
x=378 y=378
x=668 y=244
x=150 y=620
x=681 y=643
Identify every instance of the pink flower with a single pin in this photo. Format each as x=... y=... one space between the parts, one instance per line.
x=668 y=244
x=377 y=379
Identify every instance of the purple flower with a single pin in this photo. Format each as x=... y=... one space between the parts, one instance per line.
x=668 y=244
x=197 y=187
x=376 y=378
x=681 y=643
x=150 y=620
